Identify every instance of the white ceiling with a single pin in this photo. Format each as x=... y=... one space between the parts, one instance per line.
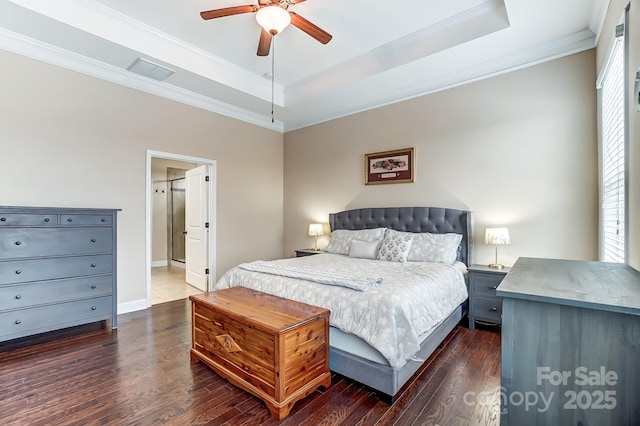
x=381 y=52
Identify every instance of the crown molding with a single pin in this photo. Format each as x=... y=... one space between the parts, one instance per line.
x=598 y=16
x=100 y=20
x=559 y=48
x=35 y=49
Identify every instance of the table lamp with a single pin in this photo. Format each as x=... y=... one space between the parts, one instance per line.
x=315 y=229
x=496 y=236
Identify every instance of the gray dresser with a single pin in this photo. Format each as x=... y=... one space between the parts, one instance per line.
x=570 y=343
x=57 y=269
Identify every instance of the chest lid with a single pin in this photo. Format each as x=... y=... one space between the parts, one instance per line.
x=270 y=313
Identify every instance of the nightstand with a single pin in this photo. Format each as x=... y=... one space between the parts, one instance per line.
x=484 y=306
x=307 y=252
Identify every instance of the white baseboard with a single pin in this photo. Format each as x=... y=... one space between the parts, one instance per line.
x=177 y=264
x=156 y=263
x=134 y=305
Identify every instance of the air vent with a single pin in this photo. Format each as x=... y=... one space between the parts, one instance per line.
x=150 y=69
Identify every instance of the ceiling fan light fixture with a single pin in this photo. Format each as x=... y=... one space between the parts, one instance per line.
x=273 y=19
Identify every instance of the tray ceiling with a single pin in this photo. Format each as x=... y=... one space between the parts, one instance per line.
x=381 y=52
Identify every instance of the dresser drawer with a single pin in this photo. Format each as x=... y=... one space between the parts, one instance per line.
x=14 y=324
x=39 y=293
x=488 y=309
x=29 y=242
x=28 y=219
x=50 y=269
x=486 y=284
x=85 y=219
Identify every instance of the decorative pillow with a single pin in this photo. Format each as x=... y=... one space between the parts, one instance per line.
x=364 y=249
x=429 y=247
x=341 y=238
x=395 y=246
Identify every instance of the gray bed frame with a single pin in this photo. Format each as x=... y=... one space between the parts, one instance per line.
x=382 y=378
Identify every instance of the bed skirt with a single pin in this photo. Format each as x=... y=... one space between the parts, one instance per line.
x=382 y=378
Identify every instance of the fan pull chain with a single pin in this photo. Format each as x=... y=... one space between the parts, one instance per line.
x=273 y=75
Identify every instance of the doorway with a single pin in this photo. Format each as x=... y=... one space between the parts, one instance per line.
x=167 y=222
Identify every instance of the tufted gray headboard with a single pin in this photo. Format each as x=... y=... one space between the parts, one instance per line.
x=412 y=219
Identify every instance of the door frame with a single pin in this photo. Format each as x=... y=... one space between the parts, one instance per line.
x=151 y=154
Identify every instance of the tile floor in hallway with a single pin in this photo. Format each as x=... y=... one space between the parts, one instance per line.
x=167 y=284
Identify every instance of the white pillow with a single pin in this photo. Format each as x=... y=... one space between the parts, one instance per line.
x=341 y=238
x=395 y=246
x=427 y=247
x=364 y=249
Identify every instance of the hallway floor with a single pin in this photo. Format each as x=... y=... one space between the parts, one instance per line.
x=167 y=284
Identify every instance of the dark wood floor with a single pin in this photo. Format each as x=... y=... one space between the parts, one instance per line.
x=141 y=375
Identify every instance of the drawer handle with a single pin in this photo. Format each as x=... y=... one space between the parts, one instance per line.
x=93 y=265
x=3 y=219
x=93 y=308
x=93 y=286
x=46 y=219
x=494 y=309
x=18 y=272
x=218 y=324
x=103 y=220
x=18 y=296
x=69 y=220
x=93 y=240
x=18 y=243
x=18 y=321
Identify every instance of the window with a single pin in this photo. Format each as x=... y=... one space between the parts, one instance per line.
x=612 y=154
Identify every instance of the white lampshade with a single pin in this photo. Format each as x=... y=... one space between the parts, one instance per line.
x=273 y=19
x=315 y=229
x=497 y=236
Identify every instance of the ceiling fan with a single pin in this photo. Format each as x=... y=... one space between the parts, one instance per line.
x=273 y=16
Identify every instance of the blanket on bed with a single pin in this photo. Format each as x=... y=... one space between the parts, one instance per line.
x=321 y=274
x=413 y=298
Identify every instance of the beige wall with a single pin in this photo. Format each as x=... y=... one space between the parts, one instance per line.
x=518 y=149
x=72 y=140
x=616 y=10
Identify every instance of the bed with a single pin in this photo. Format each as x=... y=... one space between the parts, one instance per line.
x=382 y=358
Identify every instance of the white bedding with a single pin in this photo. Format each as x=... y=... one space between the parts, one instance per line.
x=330 y=274
x=412 y=298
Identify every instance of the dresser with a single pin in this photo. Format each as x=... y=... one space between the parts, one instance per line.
x=485 y=307
x=57 y=269
x=274 y=348
x=570 y=343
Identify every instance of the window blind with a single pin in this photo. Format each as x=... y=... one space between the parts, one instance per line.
x=613 y=157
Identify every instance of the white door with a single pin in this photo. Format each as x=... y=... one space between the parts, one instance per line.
x=196 y=238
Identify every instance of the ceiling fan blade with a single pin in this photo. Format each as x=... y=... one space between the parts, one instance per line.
x=264 y=43
x=228 y=11
x=313 y=30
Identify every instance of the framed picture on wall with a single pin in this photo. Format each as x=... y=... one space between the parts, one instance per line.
x=389 y=167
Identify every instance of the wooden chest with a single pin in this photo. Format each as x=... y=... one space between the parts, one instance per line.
x=274 y=348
